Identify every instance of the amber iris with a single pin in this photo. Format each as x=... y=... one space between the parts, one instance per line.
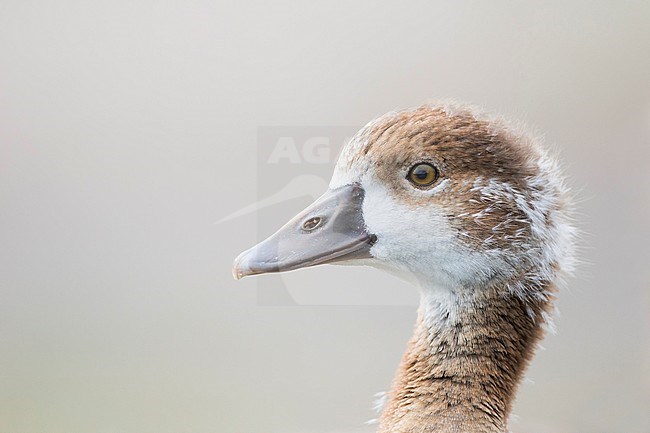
x=422 y=174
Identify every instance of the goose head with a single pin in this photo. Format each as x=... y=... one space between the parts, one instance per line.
x=438 y=195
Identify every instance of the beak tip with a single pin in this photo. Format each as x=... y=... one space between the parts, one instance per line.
x=240 y=267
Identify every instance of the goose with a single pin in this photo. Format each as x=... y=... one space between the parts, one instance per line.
x=476 y=214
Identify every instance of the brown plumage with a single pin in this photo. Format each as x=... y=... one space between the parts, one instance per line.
x=461 y=375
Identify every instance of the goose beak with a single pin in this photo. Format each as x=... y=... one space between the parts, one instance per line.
x=330 y=230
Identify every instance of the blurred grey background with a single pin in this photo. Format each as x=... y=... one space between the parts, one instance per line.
x=127 y=128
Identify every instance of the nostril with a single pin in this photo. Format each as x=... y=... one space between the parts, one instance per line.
x=311 y=223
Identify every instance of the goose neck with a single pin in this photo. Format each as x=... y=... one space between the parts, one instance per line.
x=464 y=361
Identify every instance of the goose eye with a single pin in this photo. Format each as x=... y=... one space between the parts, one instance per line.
x=422 y=174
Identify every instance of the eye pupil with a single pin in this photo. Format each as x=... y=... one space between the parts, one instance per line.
x=421 y=174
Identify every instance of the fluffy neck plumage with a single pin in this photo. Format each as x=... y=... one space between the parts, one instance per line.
x=464 y=362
